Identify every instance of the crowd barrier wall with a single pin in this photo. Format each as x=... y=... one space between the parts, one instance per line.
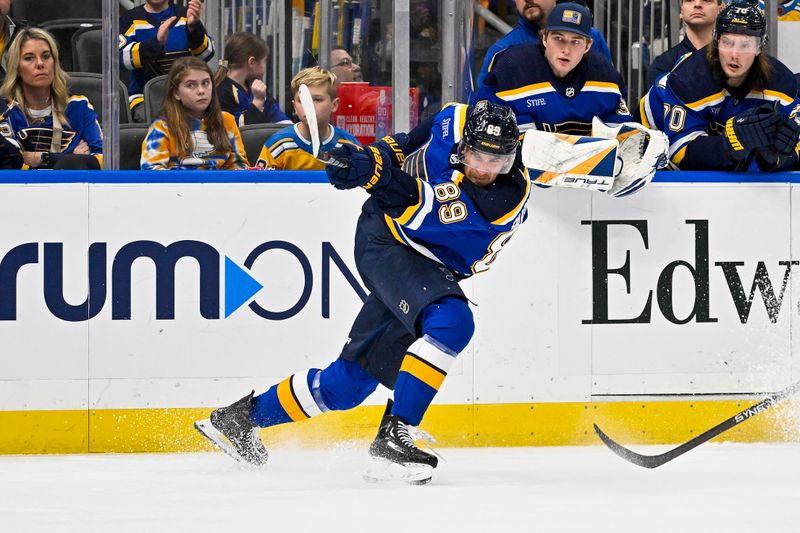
x=132 y=304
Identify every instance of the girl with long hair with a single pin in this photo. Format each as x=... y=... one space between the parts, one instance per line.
x=192 y=132
x=51 y=128
x=239 y=81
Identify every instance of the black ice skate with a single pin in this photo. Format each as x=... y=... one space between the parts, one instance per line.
x=232 y=431
x=394 y=456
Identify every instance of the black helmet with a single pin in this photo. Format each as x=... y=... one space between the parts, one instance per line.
x=491 y=128
x=743 y=17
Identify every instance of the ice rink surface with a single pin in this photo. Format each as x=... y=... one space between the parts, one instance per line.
x=715 y=488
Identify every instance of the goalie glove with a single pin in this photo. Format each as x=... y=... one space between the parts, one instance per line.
x=641 y=152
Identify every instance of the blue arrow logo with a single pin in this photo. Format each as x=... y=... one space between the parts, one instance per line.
x=240 y=286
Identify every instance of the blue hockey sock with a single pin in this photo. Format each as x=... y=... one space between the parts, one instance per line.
x=422 y=372
x=290 y=400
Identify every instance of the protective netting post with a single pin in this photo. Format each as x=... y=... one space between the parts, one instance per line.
x=111 y=103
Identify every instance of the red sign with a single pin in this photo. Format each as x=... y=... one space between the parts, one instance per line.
x=362 y=107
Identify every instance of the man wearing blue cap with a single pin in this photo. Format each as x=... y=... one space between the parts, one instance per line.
x=560 y=84
x=533 y=16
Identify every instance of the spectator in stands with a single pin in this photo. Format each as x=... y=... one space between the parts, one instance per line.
x=8 y=30
x=240 y=86
x=532 y=17
x=343 y=66
x=192 y=132
x=49 y=128
x=560 y=84
x=730 y=106
x=698 y=17
x=290 y=148
x=153 y=36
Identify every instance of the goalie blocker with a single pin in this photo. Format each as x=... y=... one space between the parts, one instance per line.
x=618 y=159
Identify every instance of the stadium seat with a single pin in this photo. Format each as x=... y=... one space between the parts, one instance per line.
x=38 y=12
x=90 y=85
x=63 y=30
x=87 y=50
x=154 y=97
x=253 y=137
x=130 y=145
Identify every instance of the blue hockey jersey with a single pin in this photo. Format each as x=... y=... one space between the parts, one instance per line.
x=142 y=54
x=520 y=77
x=37 y=135
x=238 y=101
x=692 y=106
x=452 y=221
x=441 y=137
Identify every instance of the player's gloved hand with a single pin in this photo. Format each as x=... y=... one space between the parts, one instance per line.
x=393 y=146
x=365 y=167
x=787 y=136
x=752 y=130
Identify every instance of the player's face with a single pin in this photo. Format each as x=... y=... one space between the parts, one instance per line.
x=36 y=64
x=5 y=7
x=736 y=55
x=699 y=12
x=564 y=50
x=323 y=104
x=195 y=91
x=535 y=11
x=481 y=168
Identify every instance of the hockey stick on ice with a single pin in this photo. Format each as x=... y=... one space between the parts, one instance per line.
x=307 y=103
x=653 y=461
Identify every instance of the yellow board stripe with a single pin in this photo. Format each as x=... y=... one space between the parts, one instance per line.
x=289 y=401
x=423 y=371
x=521 y=424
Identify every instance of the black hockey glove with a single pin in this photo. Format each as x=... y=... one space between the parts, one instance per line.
x=787 y=136
x=393 y=145
x=366 y=167
x=752 y=130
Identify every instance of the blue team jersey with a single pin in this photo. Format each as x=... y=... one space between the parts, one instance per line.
x=238 y=101
x=690 y=105
x=142 y=54
x=37 y=135
x=460 y=225
x=520 y=77
x=433 y=157
x=287 y=149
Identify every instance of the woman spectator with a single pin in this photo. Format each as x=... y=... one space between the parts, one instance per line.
x=239 y=81
x=51 y=129
x=192 y=132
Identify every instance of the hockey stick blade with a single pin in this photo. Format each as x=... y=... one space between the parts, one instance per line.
x=653 y=461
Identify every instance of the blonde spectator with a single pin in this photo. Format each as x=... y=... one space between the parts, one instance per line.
x=192 y=133
x=290 y=148
x=50 y=128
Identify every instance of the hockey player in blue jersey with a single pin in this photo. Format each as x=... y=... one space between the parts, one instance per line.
x=414 y=241
x=559 y=85
x=532 y=15
x=729 y=106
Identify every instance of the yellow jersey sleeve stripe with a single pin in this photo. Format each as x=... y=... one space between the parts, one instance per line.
x=289 y=401
x=533 y=87
x=783 y=97
x=409 y=212
x=393 y=229
x=679 y=155
x=423 y=371
x=706 y=100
